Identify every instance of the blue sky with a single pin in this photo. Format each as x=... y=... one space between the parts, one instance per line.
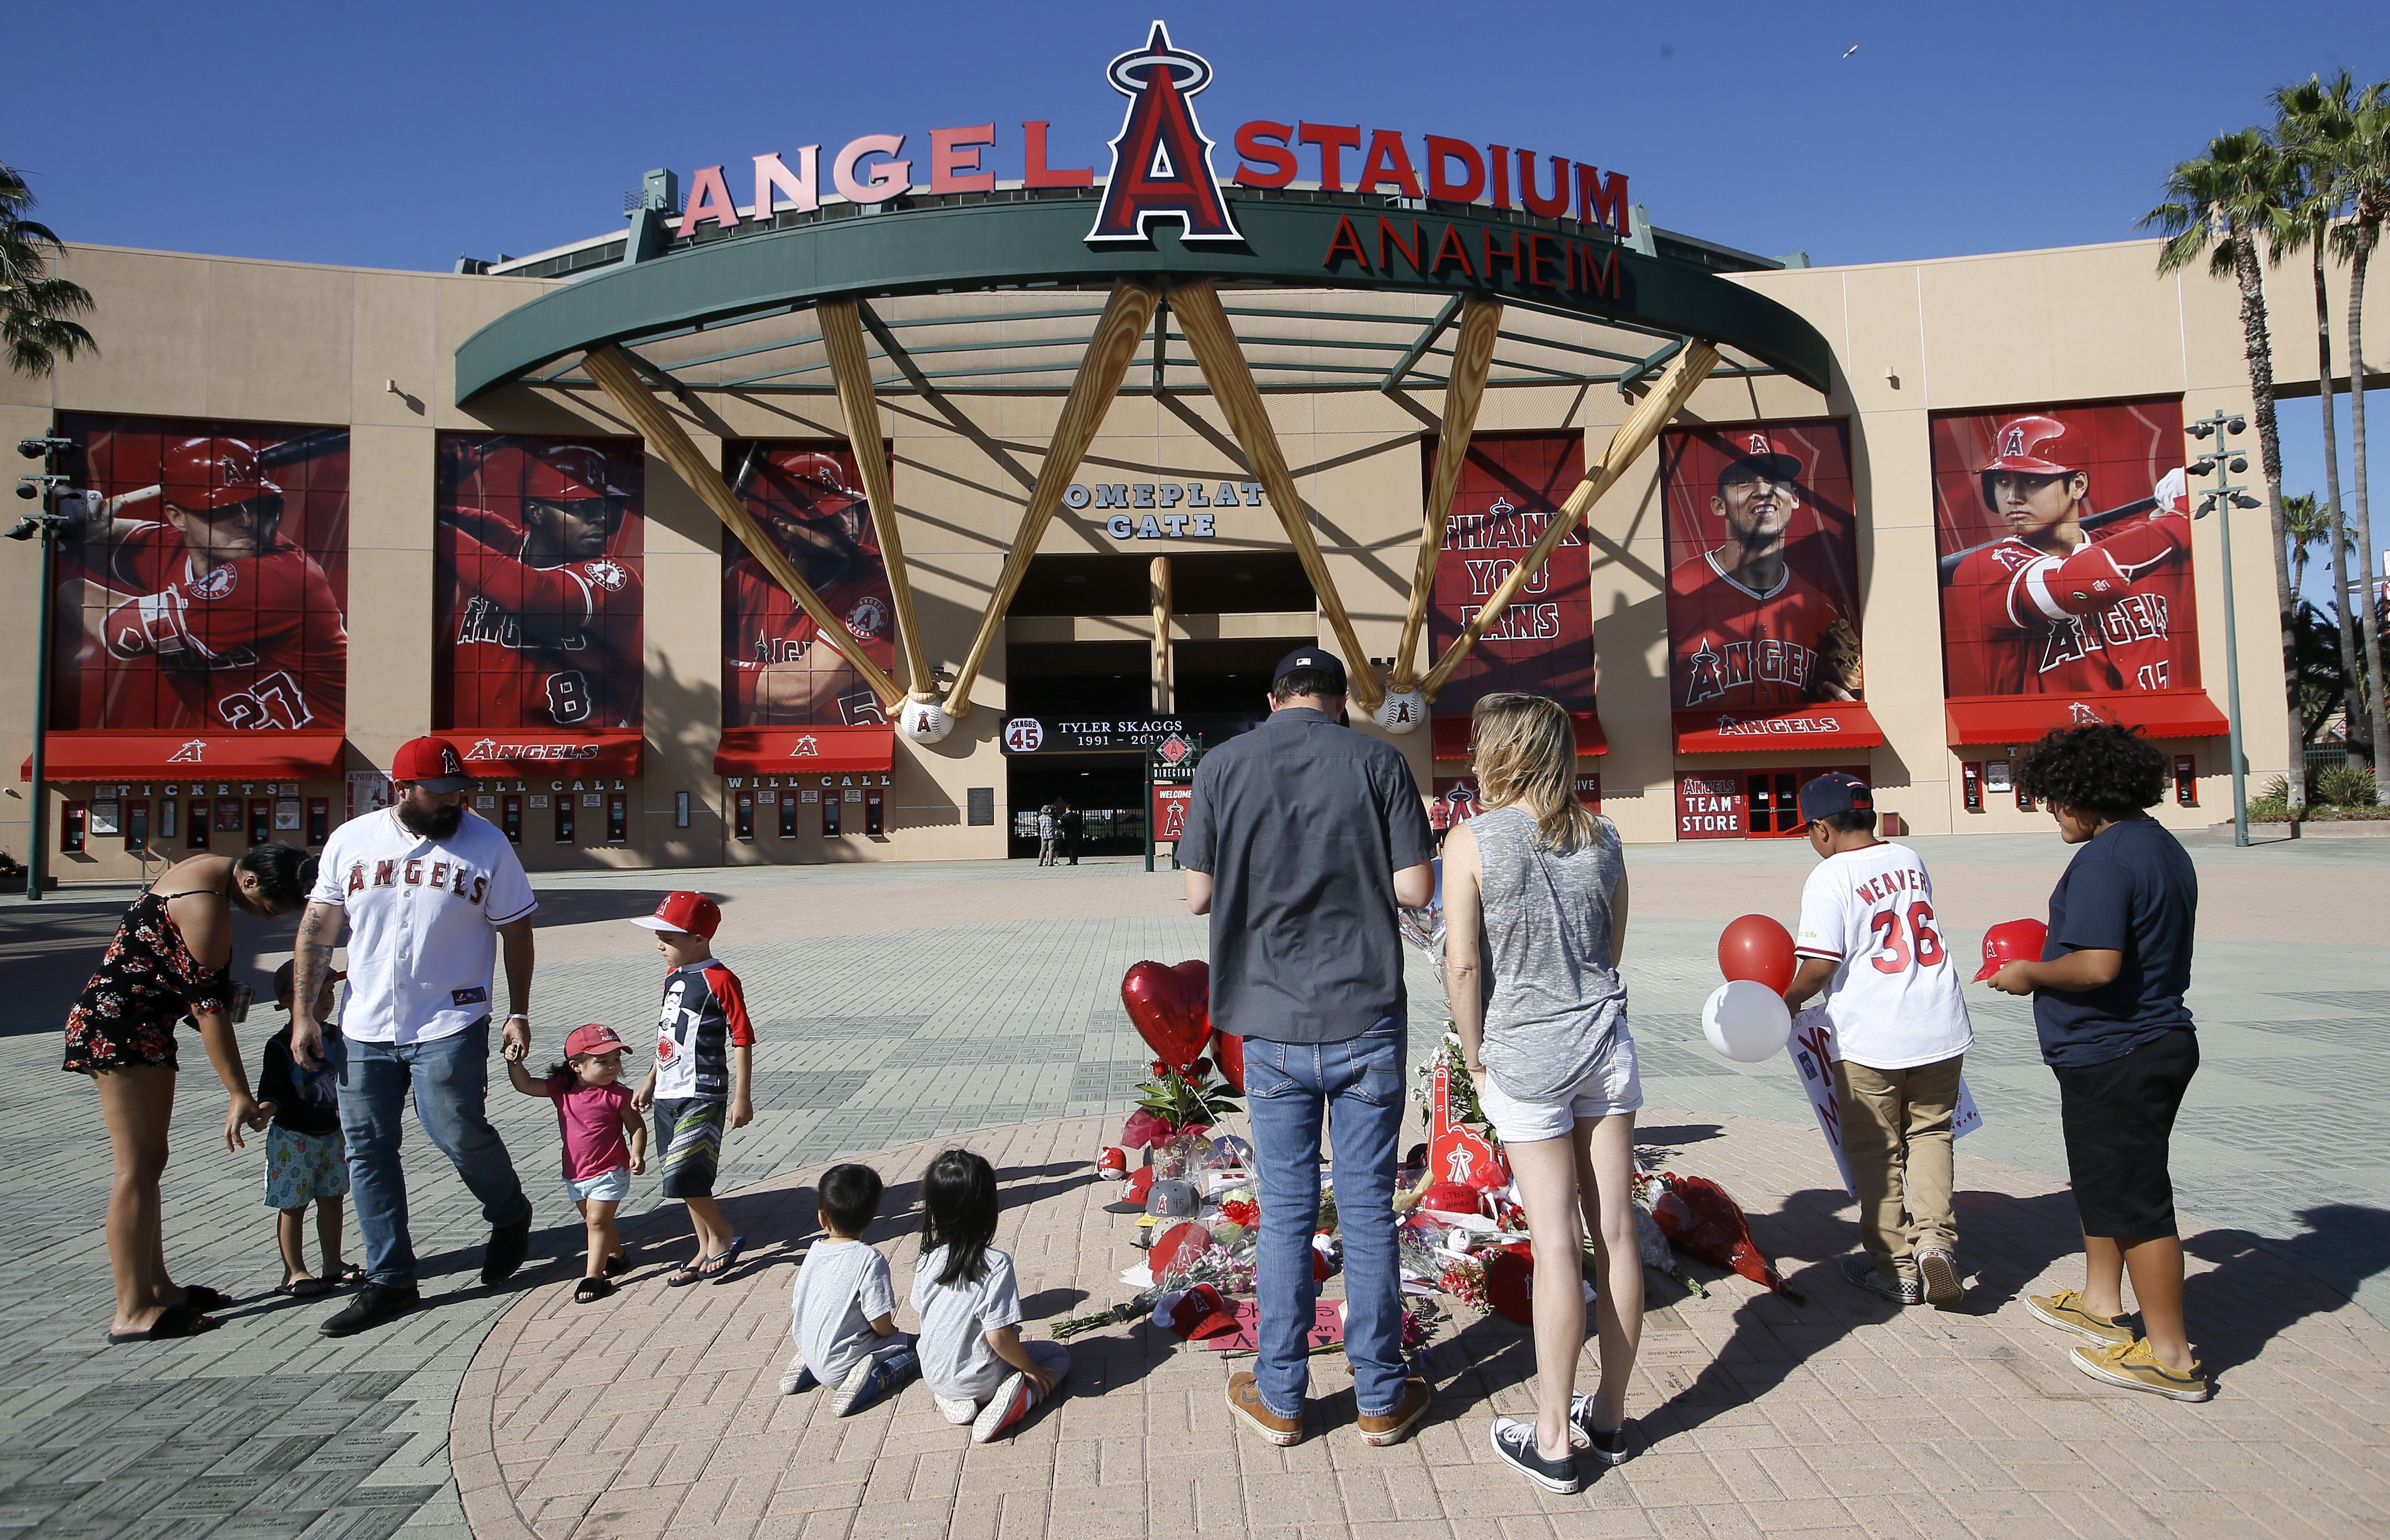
x=401 y=136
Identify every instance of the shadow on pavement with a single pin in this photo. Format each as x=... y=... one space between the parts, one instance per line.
x=2260 y=1287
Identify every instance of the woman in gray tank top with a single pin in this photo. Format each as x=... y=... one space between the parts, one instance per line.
x=1534 y=895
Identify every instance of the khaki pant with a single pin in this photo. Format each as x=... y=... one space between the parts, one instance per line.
x=1896 y=1131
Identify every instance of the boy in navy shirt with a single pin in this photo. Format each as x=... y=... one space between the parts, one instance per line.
x=698 y=1083
x=2108 y=1004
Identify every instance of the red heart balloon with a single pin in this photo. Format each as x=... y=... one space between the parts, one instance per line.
x=1171 y=1008
x=1228 y=1053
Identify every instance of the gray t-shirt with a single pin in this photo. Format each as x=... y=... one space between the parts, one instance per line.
x=956 y=1360
x=1301 y=825
x=1553 y=994
x=843 y=1287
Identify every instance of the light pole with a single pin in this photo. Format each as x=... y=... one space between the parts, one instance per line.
x=49 y=524
x=2224 y=462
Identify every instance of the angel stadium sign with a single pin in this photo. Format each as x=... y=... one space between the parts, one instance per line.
x=1162 y=171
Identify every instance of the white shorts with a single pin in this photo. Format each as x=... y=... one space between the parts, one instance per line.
x=1611 y=1086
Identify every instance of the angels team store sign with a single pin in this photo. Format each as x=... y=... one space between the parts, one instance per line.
x=1161 y=170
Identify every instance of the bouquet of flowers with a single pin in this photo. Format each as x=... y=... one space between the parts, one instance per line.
x=1173 y=1104
x=1700 y=1219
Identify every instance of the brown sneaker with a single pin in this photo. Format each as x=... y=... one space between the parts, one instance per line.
x=1391 y=1427
x=1245 y=1400
x=2064 y=1310
x=2132 y=1366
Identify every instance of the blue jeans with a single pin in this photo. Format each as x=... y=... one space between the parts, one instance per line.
x=1356 y=1086
x=450 y=1080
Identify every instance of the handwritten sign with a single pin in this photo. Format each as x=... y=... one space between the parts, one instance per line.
x=1813 y=1054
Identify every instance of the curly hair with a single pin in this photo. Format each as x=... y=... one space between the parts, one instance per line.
x=2101 y=769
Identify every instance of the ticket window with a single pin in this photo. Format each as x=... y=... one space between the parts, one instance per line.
x=564 y=818
x=169 y=812
x=228 y=815
x=511 y=817
x=875 y=823
x=2185 y=780
x=136 y=824
x=742 y=820
x=261 y=821
x=829 y=813
x=618 y=817
x=74 y=822
x=195 y=826
x=789 y=813
x=319 y=820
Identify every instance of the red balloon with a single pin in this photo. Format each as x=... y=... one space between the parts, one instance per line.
x=1171 y=1008
x=1229 y=1052
x=1757 y=948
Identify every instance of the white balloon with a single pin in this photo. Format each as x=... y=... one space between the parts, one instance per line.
x=1400 y=711
x=1746 y=1020
x=924 y=721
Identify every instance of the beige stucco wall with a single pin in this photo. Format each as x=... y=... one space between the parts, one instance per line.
x=228 y=339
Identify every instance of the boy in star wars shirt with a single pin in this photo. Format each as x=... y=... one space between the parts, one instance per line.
x=698 y=1083
x=2055 y=610
x=242 y=624
x=544 y=621
x=775 y=670
x=1749 y=631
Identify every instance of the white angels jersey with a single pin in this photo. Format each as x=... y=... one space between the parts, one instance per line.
x=1894 y=1000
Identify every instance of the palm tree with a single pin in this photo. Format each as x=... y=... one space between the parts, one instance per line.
x=33 y=306
x=2312 y=123
x=2304 y=521
x=2365 y=165
x=2216 y=206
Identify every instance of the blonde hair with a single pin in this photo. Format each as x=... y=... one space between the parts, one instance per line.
x=1524 y=748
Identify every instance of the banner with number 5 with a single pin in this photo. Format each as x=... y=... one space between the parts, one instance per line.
x=1813 y=1054
x=539 y=585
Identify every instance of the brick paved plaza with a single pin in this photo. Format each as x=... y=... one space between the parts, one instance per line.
x=901 y=1005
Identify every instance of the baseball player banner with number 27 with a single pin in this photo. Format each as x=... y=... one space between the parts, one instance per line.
x=539 y=583
x=208 y=589
x=2065 y=550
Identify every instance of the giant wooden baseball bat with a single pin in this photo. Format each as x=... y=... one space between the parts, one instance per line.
x=1126 y=315
x=1472 y=356
x=616 y=376
x=1674 y=388
x=1949 y=569
x=1213 y=342
x=842 y=330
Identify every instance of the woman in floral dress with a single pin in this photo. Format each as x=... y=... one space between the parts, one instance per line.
x=168 y=965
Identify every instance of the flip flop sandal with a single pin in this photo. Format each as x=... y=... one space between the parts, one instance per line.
x=718 y=1269
x=175 y=1320
x=681 y=1277
x=350 y=1272
x=202 y=1299
x=616 y=1265
x=592 y=1290
x=305 y=1289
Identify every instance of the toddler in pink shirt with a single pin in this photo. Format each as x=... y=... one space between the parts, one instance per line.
x=593 y=1110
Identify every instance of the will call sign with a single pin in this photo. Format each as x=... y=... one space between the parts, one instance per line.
x=1161 y=170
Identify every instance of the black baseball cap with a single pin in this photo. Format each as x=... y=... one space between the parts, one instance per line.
x=1835 y=792
x=1311 y=660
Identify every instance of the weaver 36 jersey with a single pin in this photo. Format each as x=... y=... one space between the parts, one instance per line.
x=254 y=642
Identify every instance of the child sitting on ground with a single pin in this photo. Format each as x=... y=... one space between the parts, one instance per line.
x=970 y=1306
x=593 y=1108
x=698 y=1083
x=842 y=1306
x=305 y=1159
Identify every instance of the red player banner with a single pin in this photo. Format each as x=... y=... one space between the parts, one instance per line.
x=209 y=591
x=539 y=590
x=1458 y=800
x=2066 y=568
x=1763 y=588
x=775 y=673
x=1170 y=804
x=1510 y=486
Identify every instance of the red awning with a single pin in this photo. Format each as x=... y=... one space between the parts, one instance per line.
x=806 y=750
x=94 y=756
x=1451 y=729
x=496 y=755
x=1836 y=724
x=2020 y=719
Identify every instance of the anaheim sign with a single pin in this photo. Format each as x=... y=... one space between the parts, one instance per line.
x=1161 y=170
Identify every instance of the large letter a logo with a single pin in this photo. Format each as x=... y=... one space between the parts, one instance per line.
x=1162 y=162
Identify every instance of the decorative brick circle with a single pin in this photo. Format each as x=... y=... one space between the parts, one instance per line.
x=657 y=1412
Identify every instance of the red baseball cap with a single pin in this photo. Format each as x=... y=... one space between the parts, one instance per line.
x=202 y=475
x=1752 y=455
x=692 y=914
x=546 y=473
x=432 y=763
x=593 y=1038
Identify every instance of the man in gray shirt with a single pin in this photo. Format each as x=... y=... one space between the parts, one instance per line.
x=1301 y=840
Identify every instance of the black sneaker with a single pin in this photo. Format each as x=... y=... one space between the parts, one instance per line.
x=1515 y=1441
x=1610 y=1448
x=508 y=1245
x=374 y=1303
